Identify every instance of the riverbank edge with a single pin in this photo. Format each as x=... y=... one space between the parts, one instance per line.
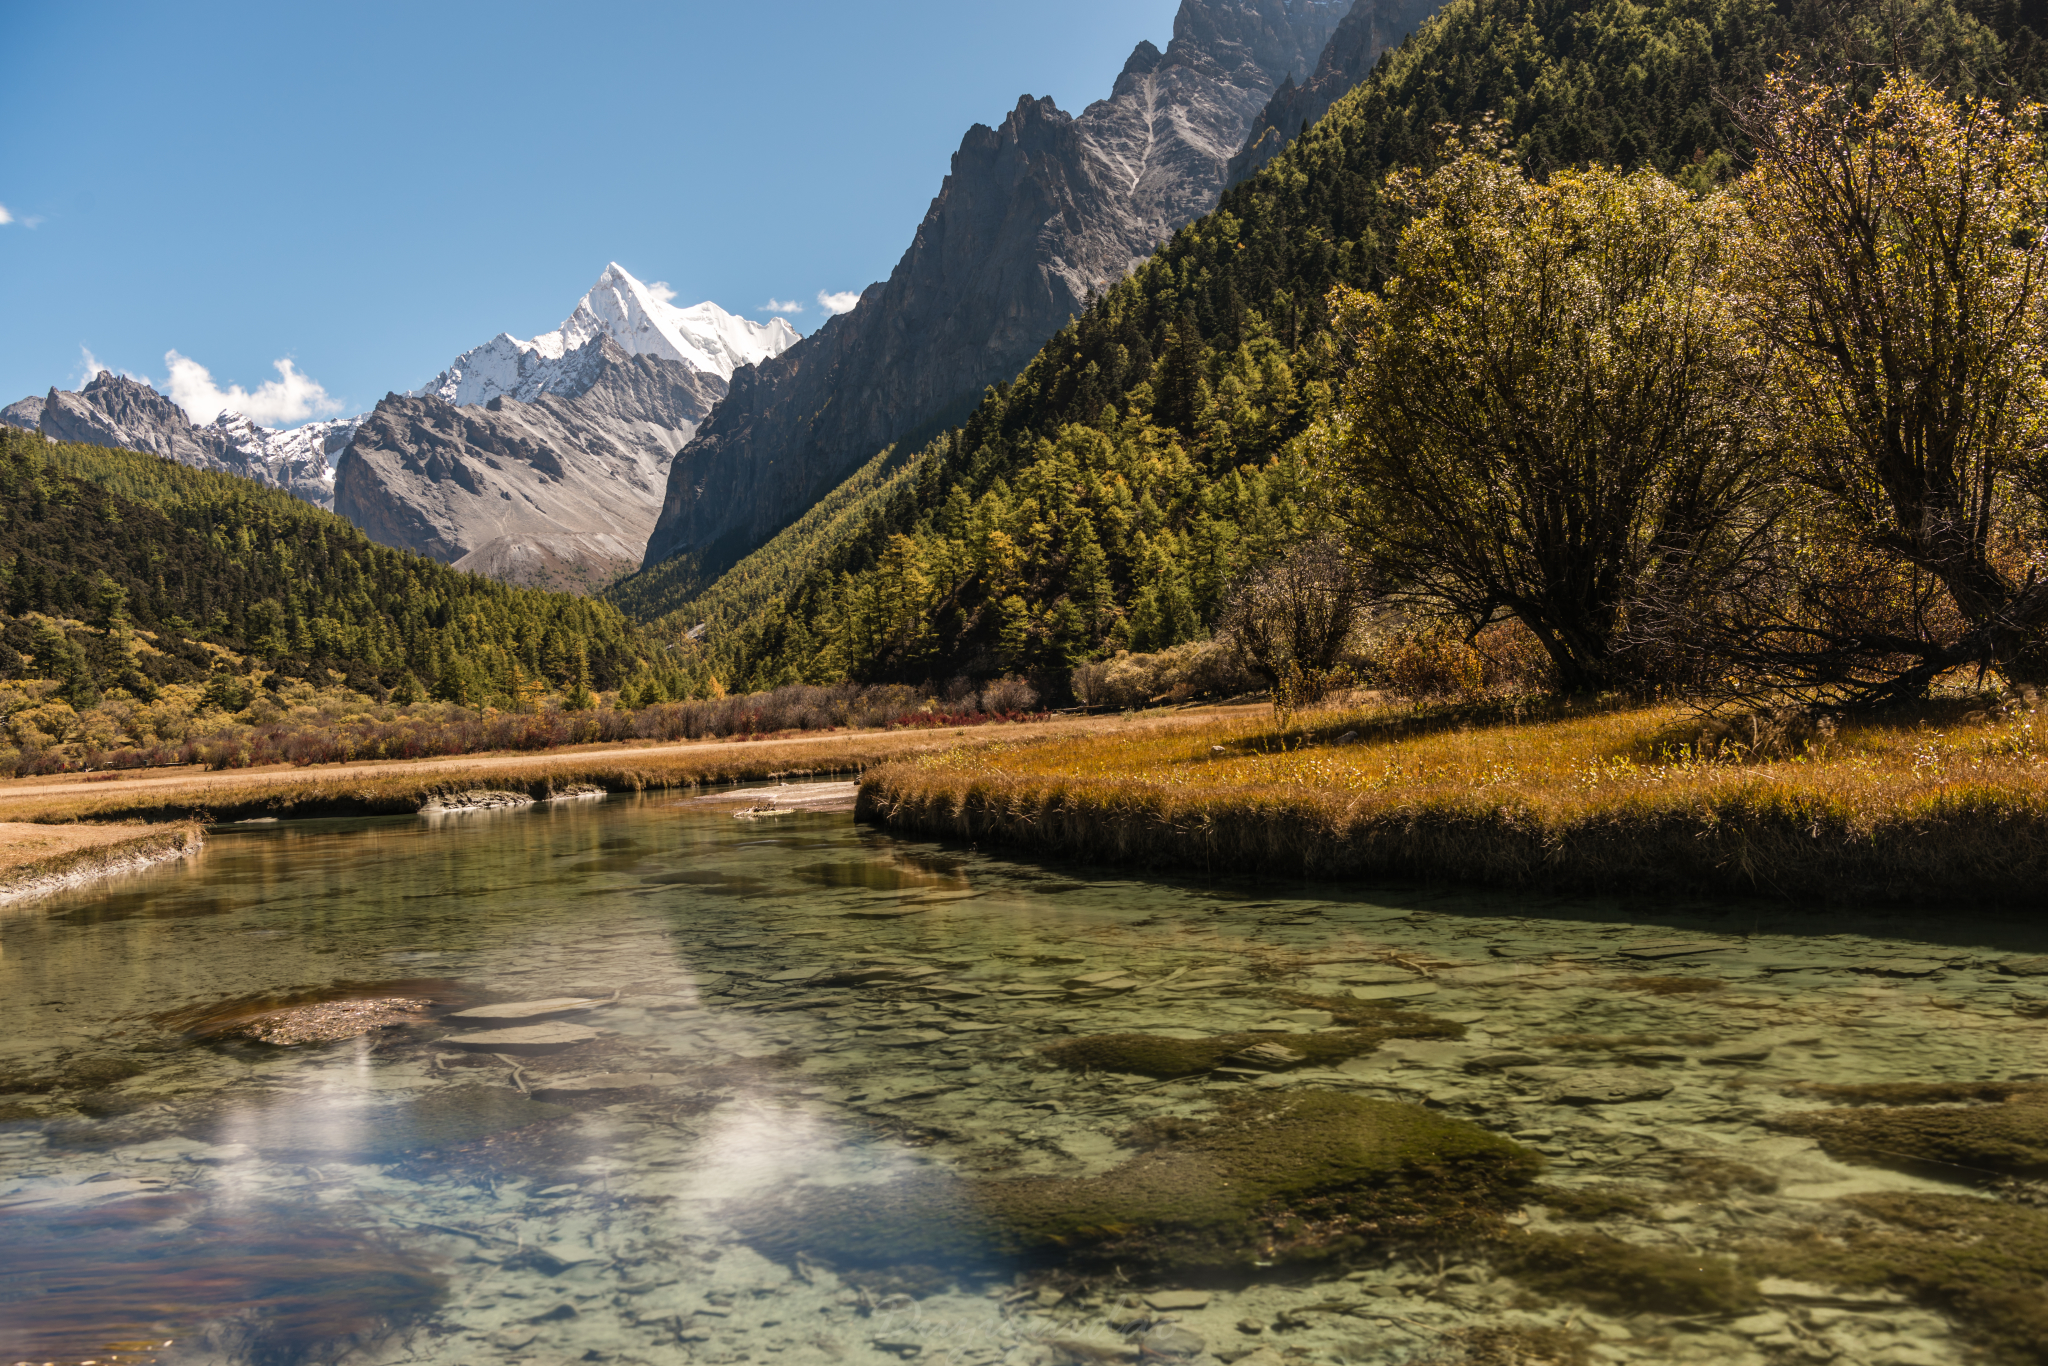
x=124 y=850
x=1754 y=841
x=315 y=798
x=222 y=798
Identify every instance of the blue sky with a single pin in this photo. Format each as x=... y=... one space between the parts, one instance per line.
x=368 y=189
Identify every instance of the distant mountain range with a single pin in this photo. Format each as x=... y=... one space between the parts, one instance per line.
x=540 y=462
x=640 y=434
x=543 y=462
x=114 y=410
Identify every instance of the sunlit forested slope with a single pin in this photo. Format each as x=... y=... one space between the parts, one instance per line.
x=1155 y=449
x=112 y=540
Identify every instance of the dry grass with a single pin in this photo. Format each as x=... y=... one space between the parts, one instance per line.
x=1951 y=802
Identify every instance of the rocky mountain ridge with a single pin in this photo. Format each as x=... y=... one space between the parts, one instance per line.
x=1370 y=29
x=115 y=410
x=559 y=492
x=26 y=413
x=1035 y=216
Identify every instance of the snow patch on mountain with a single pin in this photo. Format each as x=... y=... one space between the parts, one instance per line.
x=637 y=316
x=300 y=459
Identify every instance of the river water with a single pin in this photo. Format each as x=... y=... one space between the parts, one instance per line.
x=764 y=1023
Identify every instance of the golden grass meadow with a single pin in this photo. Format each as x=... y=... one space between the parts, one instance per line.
x=1948 y=802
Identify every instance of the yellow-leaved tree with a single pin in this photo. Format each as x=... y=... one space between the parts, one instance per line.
x=1895 y=271
x=1548 y=413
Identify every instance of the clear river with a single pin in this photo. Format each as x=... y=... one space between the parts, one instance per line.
x=635 y=1080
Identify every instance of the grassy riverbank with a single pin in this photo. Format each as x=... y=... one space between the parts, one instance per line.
x=401 y=787
x=1947 y=803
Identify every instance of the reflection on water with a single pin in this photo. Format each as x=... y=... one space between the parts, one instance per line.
x=821 y=1095
x=264 y=1283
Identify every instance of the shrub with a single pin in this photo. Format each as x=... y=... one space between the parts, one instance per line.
x=1432 y=664
x=1008 y=696
x=1199 y=668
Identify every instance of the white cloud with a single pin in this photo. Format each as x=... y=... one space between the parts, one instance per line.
x=291 y=397
x=5 y=217
x=783 y=306
x=660 y=290
x=841 y=302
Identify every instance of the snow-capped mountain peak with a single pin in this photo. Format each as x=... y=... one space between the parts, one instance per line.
x=643 y=321
x=637 y=317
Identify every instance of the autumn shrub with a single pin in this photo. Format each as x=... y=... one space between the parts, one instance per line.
x=1431 y=664
x=1198 y=668
x=1006 y=696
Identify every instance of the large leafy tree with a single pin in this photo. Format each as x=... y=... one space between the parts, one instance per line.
x=1548 y=414
x=1896 y=271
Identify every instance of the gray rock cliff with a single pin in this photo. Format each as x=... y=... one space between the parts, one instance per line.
x=1035 y=215
x=1371 y=28
x=25 y=413
x=557 y=493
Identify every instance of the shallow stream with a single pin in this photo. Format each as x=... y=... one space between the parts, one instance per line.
x=766 y=1046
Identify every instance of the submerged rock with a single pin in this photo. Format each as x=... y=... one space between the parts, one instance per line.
x=1172 y=1340
x=1678 y=948
x=1962 y=1142
x=1980 y=1261
x=530 y=1010
x=1293 y=1177
x=1163 y=1055
x=1627 y=1278
x=1157 y=1055
x=540 y=1038
x=1608 y=1086
x=1268 y=1055
x=604 y=1084
x=333 y=1020
x=376 y=1133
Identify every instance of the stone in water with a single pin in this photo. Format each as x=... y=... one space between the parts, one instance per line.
x=569 y=1087
x=529 y=1010
x=1609 y=1086
x=1396 y=992
x=1901 y=967
x=1172 y=1340
x=332 y=1020
x=540 y=1038
x=1267 y=1056
x=1678 y=948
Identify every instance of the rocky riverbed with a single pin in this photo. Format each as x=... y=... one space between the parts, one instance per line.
x=800 y=1092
